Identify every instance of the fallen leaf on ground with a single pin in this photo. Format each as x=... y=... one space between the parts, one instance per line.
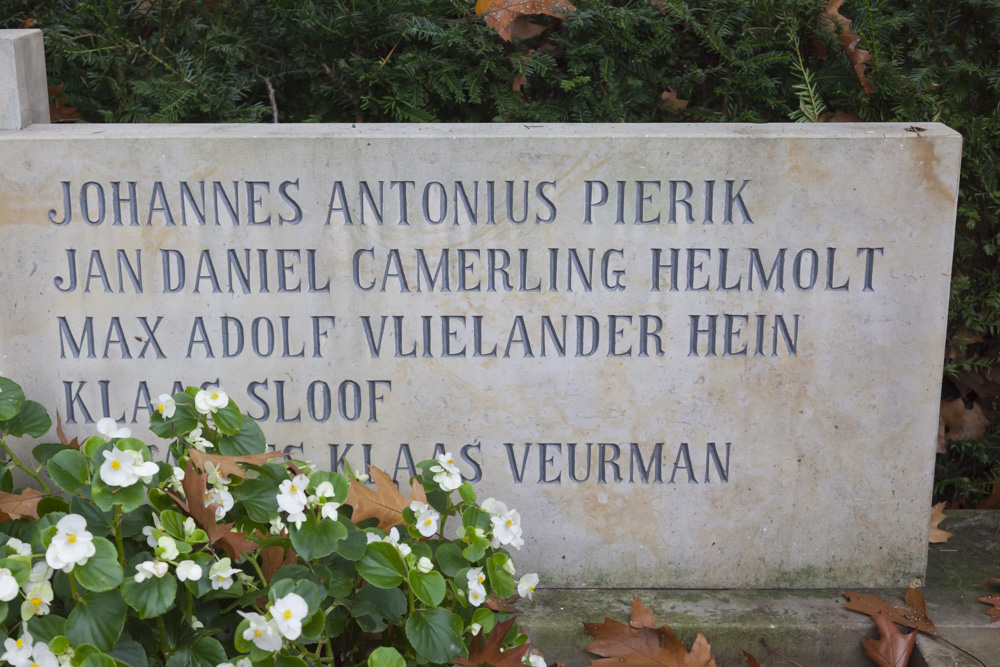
x=227 y=465
x=913 y=614
x=893 y=648
x=221 y=535
x=490 y=652
x=386 y=504
x=840 y=27
x=503 y=15
x=961 y=422
x=993 y=599
x=752 y=661
x=638 y=644
x=19 y=505
x=938 y=536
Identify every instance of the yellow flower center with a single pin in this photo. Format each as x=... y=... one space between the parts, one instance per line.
x=258 y=633
x=36 y=602
x=288 y=614
x=531 y=588
x=475 y=595
x=428 y=522
x=115 y=465
x=20 y=643
x=71 y=538
x=34 y=664
x=451 y=462
x=482 y=578
x=160 y=407
x=215 y=396
x=510 y=522
x=293 y=488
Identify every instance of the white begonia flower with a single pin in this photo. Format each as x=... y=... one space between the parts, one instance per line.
x=298 y=518
x=18 y=651
x=148 y=532
x=506 y=527
x=213 y=476
x=393 y=539
x=526 y=586
x=477 y=593
x=424 y=565
x=447 y=474
x=509 y=566
x=169 y=546
x=149 y=569
x=288 y=613
x=71 y=545
x=209 y=402
x=196 y=440
x=166 y=406
x=292 y=494
x=36 y=600
x=196 y=624
x=325 y=490
x=40 y=572
x=474 y=629
x=188 y=570
x=534 y=660
x=277 y=526
x=261 y=632
x=224 y=499
x=493 y=507
x=329 y=510
x=244 y=662
x=108 y=428
x=372 y=537
x=8 y=585
x=221 y=574
x=475 y=576
x=189 y=527
x=19 y=547
x=517 y=542
x=126 y=467
x=418 y=507
x=427 y=522
x=42 y=656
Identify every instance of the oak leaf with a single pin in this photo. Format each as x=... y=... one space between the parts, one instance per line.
x=503 y=15
x=220 y=535
x=19 y=505
x=386 y=504
x=670 y=99
x=227 y=465
x=494 y=603
x=490 y=652
x=840 y=27
x=273 y=559
x=638 y=644
x=913 y=614
x=893 y=648
x=961 y=422
x=938 y=536
x=72 y=444
x=752 y=661
x=993 y=599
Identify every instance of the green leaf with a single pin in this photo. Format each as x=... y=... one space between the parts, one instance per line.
x=228 y=420
x=68 y=469
x=129 y=652
x=51 y=504
x=101 y=572
x=431 y=633
x=98 y=660
x=11 y=398
x=384 y=603
x=476 y=549
x=353 y=546
x=467 y=492
x=206 y=652
x=106 y=497
x=429 y=588
x=32 y=420
x=184 y=421
x=249 y=440
x=317 y=537
x=381 y=565
x=341 y=487
x=342 y=576
x=501 y=582
x=385 y=656
x=97 y=619
x=450 y=559
x=46 y=628
x=98 y=521
x=485 y=618
x=45 y=451
x=259 y=496
x=151 y=598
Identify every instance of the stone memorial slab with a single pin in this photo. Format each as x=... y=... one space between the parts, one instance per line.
x=690 y=355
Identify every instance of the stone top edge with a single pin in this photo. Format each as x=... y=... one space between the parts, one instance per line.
x=485 y=130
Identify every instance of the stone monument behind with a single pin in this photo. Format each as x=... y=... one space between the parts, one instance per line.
x=690 y=355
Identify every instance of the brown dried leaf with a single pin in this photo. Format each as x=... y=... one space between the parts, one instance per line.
x=227 y=465
x=491 y=651
x=912 y=615
x=221 y=535
x=496 y=604
x=29 y=22
x=840 y=27
x=519 y=81
x=502 y=14
x=994 y=613
x=386 y=504
x=938 y=536
x=273 y=559
x=639 y=645
x=961 y=422
x=72 y=444
x=522 y=28
x=991 y=502
x=752 y=661
x=893 y=649
x=19 y=505
x=670 y=99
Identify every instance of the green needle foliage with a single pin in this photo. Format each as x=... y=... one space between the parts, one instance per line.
x=609 y=61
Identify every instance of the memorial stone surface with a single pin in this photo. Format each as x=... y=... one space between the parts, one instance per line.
x=690 y=355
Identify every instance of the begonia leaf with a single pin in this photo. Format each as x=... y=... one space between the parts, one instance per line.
x=101 y=572
x=69 y=469
x=381 y=566
x=249 y=440
x=228 y=419
x=385 y=603
x=98 y=619
x=98 y=521
x=32 y=419
x=45 y=451
x=429 y=588
x=205 y=652
x=386 y=656
x=431 y=633
x=151 y=597
x=46 y=628
x=11 y=398
x=450 y=559
x=317 y=537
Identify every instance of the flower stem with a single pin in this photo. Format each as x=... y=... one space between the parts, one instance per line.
x=119 y=542
x=72 y=585
x=260 y=573
x=164 y=646
x=17 y=462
